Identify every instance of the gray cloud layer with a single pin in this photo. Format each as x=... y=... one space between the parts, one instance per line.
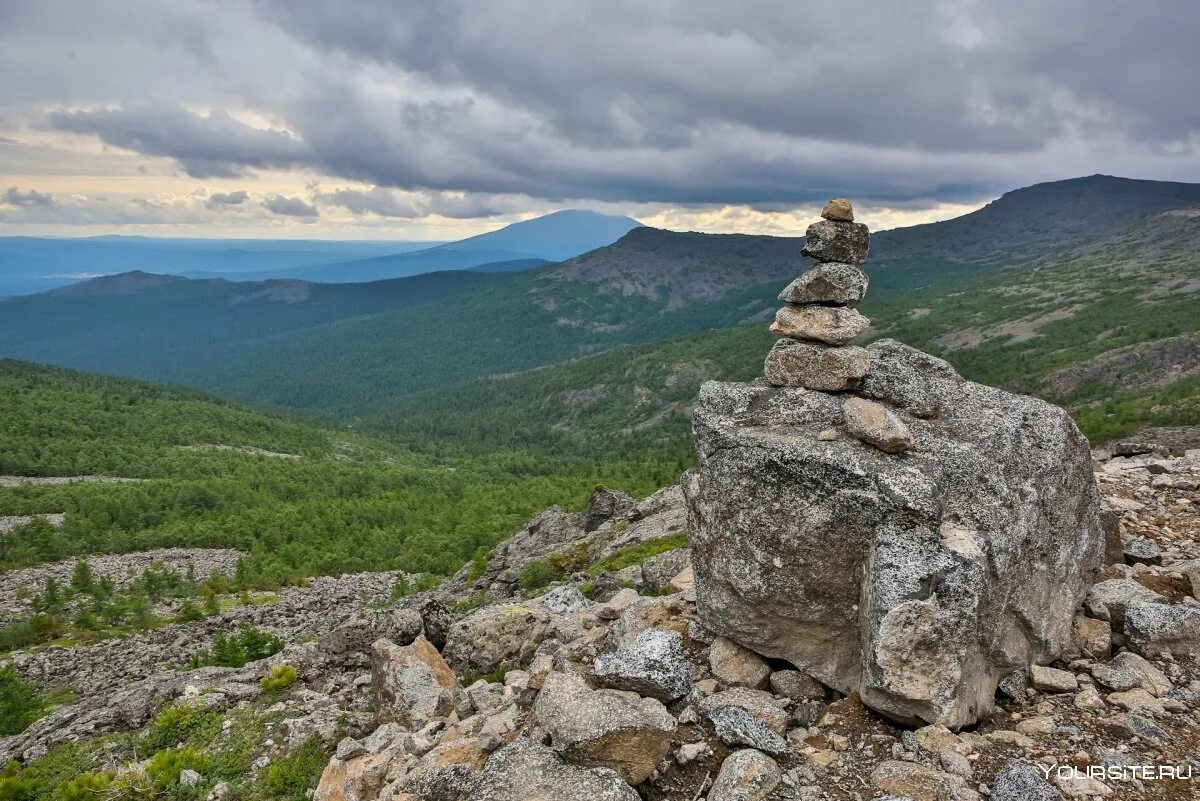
x=690 y=101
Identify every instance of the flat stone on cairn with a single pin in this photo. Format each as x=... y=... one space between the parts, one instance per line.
x=813 y=365
x=833 y=325
x=828 y=282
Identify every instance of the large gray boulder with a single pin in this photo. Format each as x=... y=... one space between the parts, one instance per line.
x=918 y=580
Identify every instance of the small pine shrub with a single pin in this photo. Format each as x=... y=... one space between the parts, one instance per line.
x=280 y=678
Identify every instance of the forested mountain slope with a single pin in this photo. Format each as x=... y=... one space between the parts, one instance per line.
x=354 y=352
x=300 y=500
x=1108 y=328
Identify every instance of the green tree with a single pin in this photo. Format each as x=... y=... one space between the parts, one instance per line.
x=20 y=702
x=82 y=579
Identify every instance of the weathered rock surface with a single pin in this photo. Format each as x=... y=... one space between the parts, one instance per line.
x=746 y=775
x=737 y=666
x=833 y=325
x=526 y=771
x=828 y=282
x=1155 y=629
x=412 y=683
x=811 y=365
x=918 y=581
x=1019 y=782
x=604 y=728
x=653 y=665
x=828 y=240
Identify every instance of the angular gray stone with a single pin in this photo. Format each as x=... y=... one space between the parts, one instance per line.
x=811 y=365
x=1157 y=629
x=1108 y=599
x=833 y=325
x=735 y=726
x=919 y=581
x=653 y=665
x=877 y=425
x=797 y=686
x=1052 y=680
x=1127 y=670
x=526 y=771
x=759 y=704
x=829 y=240
x=1016 y=781
x=1142 y=551
x=412 y=684
x=737 y=666
x=745 y=775
x=828 y=282
x=604 y=728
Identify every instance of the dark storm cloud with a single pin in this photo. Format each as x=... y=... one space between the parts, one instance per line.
x=290 y=207
x=690 y=102
x=15 y=197
x=218 y=199
x=214 y=145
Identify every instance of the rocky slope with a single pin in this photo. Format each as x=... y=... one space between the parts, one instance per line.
x=625 y=695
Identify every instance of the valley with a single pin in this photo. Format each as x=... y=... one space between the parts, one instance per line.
x=490 y=459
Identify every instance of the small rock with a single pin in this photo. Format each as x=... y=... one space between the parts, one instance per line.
x=736 y=666
x=745 y=775
x=1127 y=670
x=189 y=778
x=838 y=210
x=876 y=424
x=796 y=685
x=1088 y=698
x=1017 y=781
x=1036 y=725
x=918 y=782
x=653 y=665
x=1156 y=629
x=526 y=770
x=1091 y=637
x=604 y=728
x=1080 y=785
x=412 y=683
x=1137 y=700
x=1052 y=680
x=1142 y=551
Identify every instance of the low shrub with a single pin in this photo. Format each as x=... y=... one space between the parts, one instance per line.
x=280 y=678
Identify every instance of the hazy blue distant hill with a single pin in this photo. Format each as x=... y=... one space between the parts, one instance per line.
x=552 y=237
x=32 y=264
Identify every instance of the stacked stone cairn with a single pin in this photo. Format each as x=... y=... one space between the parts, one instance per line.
x=820 y=321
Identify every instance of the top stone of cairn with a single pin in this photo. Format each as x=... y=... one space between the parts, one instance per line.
x=838 y=210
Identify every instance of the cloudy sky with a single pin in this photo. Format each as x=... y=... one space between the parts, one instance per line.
x=432 y=120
